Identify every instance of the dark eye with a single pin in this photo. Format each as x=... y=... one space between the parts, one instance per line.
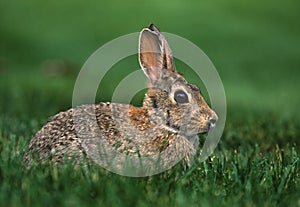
x=181 y=97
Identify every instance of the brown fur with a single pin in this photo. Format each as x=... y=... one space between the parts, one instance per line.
x=160 y=126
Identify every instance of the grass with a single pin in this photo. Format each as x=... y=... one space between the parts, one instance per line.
x=255 y=164
x=249 y=168
x=254 y=46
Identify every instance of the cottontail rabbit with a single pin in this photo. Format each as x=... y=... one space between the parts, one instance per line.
x=172 y=115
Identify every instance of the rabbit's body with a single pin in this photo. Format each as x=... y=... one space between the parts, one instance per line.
x=172 y=115
x=58 y=139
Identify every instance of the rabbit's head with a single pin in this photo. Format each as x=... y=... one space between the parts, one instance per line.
x=171 y=101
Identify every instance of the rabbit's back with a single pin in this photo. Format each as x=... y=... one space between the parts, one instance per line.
x=62 y=137
x=55 y=140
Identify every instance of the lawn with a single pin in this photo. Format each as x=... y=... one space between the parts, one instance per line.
x=255 y=48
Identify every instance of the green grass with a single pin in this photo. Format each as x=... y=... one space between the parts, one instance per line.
x=250 y=167
x=255 y=48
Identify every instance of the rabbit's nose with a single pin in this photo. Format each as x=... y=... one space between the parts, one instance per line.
x=212 y=122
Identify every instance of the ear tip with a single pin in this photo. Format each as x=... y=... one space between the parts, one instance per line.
x=152 y=27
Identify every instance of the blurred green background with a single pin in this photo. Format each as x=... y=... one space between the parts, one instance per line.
x=253 y=44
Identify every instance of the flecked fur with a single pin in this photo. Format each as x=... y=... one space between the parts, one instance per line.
x=161 y=125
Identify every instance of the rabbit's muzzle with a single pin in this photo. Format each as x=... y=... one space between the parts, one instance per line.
x=211 y=122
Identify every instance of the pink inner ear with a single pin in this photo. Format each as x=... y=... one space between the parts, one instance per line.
x=152 y=60
x=151 y=57
x=151 y=66
x=154 y=53
x=154 y=76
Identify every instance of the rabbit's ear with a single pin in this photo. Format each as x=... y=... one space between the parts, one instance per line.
x=154 y=53
x=168 y=57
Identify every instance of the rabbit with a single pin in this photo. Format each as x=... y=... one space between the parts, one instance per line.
x=172 y=116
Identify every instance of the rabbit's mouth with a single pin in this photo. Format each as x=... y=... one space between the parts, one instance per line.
x=204 y=130
x=211 y=123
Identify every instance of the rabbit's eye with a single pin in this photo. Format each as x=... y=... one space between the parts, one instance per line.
x=181 y=97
